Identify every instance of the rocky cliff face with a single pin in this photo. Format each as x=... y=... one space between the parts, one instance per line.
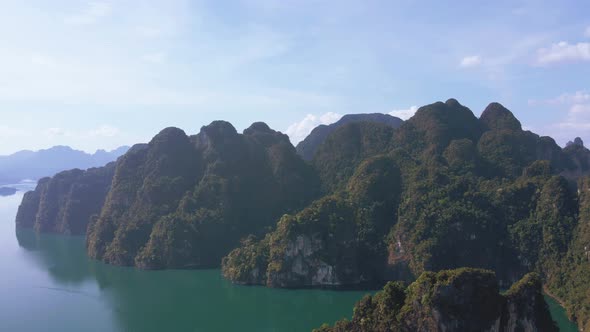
x=453 y=300
x=186 y=201
x=466 y=192
x=444 y=190
x=65 y=202
x=337 y=240
x=318 y=135
x=345 y=149
x=577 y=162
x=570 y=281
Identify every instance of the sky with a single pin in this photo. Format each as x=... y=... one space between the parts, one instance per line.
x=100 y=74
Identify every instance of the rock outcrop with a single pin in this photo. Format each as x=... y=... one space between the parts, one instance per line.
x=466 y=192
x=338 y=240
x=462 y=300
x=444 y=190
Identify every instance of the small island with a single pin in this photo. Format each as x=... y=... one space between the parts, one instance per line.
x=7 y=191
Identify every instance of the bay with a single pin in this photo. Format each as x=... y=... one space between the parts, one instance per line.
x=48 y=283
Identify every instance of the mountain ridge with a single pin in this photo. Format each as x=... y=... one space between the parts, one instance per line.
x=318 y=135
x=34 y=165
x=444 y=190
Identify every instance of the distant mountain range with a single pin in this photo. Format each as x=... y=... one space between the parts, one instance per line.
x=34 y=165
x=307 y=148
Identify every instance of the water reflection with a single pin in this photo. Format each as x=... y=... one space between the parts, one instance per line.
x=180 y=300
x=64 y=260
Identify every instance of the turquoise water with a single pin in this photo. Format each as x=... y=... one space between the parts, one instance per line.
x=560 y=317
x=48 y=284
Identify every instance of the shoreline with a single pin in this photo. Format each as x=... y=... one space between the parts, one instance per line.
x=547 y=292
x=551 y=295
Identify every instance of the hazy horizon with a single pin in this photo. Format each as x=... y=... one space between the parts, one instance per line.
x=101 y=74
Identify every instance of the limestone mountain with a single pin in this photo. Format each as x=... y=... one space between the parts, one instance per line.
x=463 y=300
x=463 y=192
x=65 y=202
x=185 y=201
x=318 y=135
x=444 y=190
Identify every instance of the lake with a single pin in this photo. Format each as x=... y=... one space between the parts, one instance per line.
x=49 y=284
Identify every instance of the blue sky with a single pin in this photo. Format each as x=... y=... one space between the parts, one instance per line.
x=104 y=73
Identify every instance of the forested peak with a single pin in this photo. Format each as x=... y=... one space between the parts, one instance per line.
x=497 y=117
x=370 y=117
x=338 y=156
x=451 y=110
x=576 y=143
x=318 y=135
x=264 y=135
x=169 y=137
x=453 y=102
x=218 y=129
x=219 y=135
x=258 y=127
x=137 y=147
x=437 y=124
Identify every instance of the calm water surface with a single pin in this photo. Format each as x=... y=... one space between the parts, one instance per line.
x=48 y=284
x=560 y=317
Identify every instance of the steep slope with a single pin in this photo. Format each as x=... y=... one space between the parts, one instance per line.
x=344 y=150
x=444 y=190
x=337 y=240
x=308 y=147
x=65 y=202
x=454 y=300
x=186 y=201
x=571 y=277
x=434 y=126
x=464 y=198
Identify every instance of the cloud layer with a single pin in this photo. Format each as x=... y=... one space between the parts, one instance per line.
x=564 y=52
x=470 y=61
x=404 y=114
x=299 y=130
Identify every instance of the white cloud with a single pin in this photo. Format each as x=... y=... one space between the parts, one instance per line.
x=299 y=130
x=404 y=114
x=55 y=131
x=157 y=57
x=563 y=52
x=578 y=97
x=101 y=131
x=91 y=14
x=578 y=117
x=470 y=61
x=105 y=131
